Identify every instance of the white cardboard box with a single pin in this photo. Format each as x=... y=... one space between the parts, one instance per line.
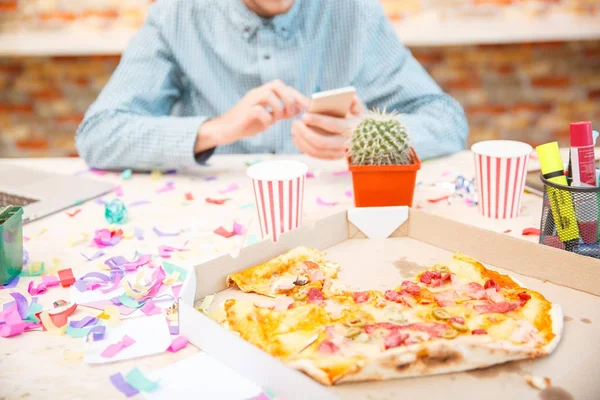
x=376 y=248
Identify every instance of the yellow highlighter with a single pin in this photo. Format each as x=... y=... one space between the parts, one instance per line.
x=561 y=204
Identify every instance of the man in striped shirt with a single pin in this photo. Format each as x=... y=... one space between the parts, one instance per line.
x=233 y=76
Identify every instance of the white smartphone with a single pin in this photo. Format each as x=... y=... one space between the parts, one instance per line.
x=335 y=103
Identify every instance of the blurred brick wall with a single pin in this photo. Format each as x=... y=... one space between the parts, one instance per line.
x=527 y=92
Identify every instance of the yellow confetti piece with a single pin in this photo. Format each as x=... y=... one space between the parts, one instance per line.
x=111 y=315
x=207 y=302
x=49 y=325
x=77 y=239
x=128 y=235
x=137 y=289
x=72 y=355
x=155 y=175
x=57 y=265
x=171 y=279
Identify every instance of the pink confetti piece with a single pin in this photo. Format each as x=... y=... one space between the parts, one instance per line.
x=106 y=238
x=224 y=232
x=310 y=174
x=348 y=193
x=340 y=173
x=116 y=348
x=176 y=290
x=26 y=239
x=167 y=188
x=322 y=202
x=262 y=396
x=116 y=281
x=165 y=251
x=141 y=261
x=74 y=213
x=230 y=188
x=118 y=191
x=47 y=282
x=122 y=386
x=531 y=231
x=97 y=172
x=94 y=256
x=438 y=199
x=163 y=233
x=150 y=308
x=178 y=344
x=239 y=229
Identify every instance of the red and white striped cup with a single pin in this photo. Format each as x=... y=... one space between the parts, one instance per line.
x=500 y=171
x=279 y=194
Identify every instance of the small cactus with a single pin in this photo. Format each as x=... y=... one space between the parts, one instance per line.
x=380 y=139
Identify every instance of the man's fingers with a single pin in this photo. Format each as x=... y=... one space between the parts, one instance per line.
x=260 y=114
x=357 y=108
x=340 y=126
x=313 y=144
x=293 y=99
x=271 y=100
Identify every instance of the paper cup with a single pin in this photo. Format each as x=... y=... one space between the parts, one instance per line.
x=279 y=193
x=501 y=168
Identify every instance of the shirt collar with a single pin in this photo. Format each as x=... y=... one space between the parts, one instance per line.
x=248 y=22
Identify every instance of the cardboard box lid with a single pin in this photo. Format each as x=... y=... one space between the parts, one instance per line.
x=422 y=239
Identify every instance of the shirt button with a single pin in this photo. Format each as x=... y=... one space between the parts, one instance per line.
x=267 y=57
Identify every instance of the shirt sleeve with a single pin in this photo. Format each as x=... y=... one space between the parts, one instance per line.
x=391 y=79
x=129 y=125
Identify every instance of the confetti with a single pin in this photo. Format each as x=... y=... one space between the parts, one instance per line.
x=255 y=161
x=49 y=325
x=59 y=319
x=84 y=322
x=206 y=303
x=77 y=239
x=133 y=265
x=94 y=256
x=150 y=308
x=139 y=233
x=25 y=257
x=310 y=174
x=139 y=203
x=530 y=231
x=210 y=178
x=507 y=231
x=127 y=174
x=252 y=239
x=189 y=196
x=100 y=202
x=129 y=302
x=224 y=232
x=114 y=349
x=171 y=269
x=111 y=315
x=83 y=286
x=174 y=329
x=139 y=382
x=66 y=277
x=105 y=237
x=178 y=344
x=215 y=201
x=97 y=333
x=13 y=323
x=116 y=277
x=122 y=386
x=165 y=251
x=71 y=355
x=438 y=199
x=163 y=233
x=35 y=268
x=77 y=333
x=167 y=188
x=340 y=173
x=74 y=213
x=118 y=191
x=247 y=205
x=231 y=188
x=47 y=282
x=322 y=202
x=348 y=193
x=239 y=229
x=155 y=175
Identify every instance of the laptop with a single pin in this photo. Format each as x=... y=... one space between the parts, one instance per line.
x=41 y=193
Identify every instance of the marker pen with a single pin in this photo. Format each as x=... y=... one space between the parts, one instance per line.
x=560 y=200
x=584 y=175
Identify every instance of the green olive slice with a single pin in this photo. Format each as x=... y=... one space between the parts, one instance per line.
x=460 y=327
x=352 y=332
x=359 y=323
x=440 y=313
x=450 y=334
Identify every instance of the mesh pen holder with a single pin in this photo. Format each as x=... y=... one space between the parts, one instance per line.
x=570 y=218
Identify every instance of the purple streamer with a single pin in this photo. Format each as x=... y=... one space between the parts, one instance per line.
x=22 y=304
x=100 y=201
x=84 y=322
x=174 y=329
x=81 y=285
x=122 y=386
x=116 y=262
x=139 y=233
x=210 y=178
x=98 y=332
x=161 y=233
x=139 y=203
x=95 y=256
x=116 y=301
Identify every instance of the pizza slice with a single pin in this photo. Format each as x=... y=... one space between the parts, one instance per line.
x=296 y=271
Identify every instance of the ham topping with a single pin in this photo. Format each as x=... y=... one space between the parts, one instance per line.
x=494 y=296
x=432 y=328
x=446 y=298
x=315 y=296
x=311 y=264
x=479 y=332
x=524 y=298
x=435 y=278
x=395 y=339
x=410 y=287
x=491 y=284
x=502 y=307
x=360 y=297
x=316 y=275
x=393 y=296
x=283 y=303
x=474 y=290
x=328 y=347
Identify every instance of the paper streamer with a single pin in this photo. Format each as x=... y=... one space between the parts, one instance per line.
x=116 y=262
x=133 y=265
x=114 y=349
x=224 y=232
x=66 y=277
x=139 y=382
x=322 y=202
x=129 y=302
x=218 y=202
x=59 y=319
x=231 y=188
x=116 y=277
x=106 y=238
x=139 y=203
x=49 y=325
x=94 y=256
x=178 y=344
x=530 y=231
x=77 y=333
x=73 y=213
x=82 y=285
x=97 y=333
x=188 y=196
x=162 y=233
x=172 y=268
x=340 y=173
x=139 y=233
x=150 y=308
x=22 y=304
x=47 y=282
x=122 y=386
x=84 y=322
x=167 y=188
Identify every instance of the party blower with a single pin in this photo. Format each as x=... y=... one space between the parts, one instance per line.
x=279 y=195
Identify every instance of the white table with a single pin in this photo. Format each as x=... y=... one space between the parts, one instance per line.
x=32 y=364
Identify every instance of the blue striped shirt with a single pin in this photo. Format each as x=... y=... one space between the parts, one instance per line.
x=194 y=59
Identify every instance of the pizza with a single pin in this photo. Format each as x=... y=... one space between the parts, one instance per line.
x=454 y=316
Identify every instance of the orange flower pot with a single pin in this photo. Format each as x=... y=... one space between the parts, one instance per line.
x=385 y=185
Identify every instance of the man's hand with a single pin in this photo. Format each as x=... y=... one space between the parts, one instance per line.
x=256 y=111
x=326 y=137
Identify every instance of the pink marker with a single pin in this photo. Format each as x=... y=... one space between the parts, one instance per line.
x=584 y=175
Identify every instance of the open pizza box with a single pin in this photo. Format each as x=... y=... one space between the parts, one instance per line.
x=377 y=248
